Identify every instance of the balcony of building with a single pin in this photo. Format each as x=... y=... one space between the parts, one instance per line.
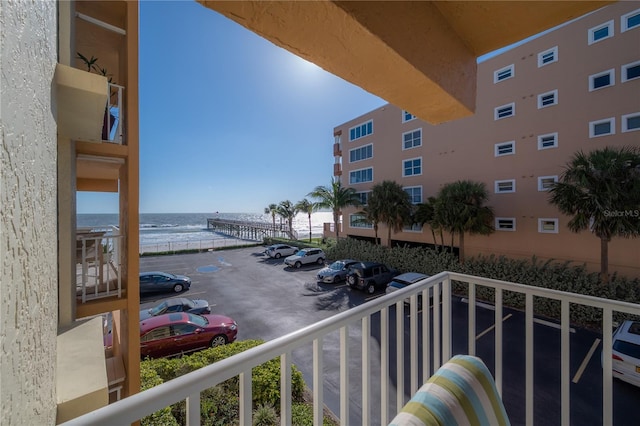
x=369 y=360
x=337 y=169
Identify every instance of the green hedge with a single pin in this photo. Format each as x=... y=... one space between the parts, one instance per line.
x=218 y=405
x=564 y=276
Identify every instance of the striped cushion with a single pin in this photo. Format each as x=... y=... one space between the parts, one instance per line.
x=461 y=392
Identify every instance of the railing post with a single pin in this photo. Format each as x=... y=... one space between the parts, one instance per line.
x=528 y=324
x=384 y=367
x=498 y=340
x=318 y=403
x=344 y=376
x=399 y=354
x=366 y=371
x=446 y=320
x=193 y=409
x=607 y=367
x=565 y=405
x=471 y=335
x=245 y=398
x=285 y=389
x=413 y=342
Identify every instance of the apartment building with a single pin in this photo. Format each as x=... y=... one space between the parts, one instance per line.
x=574 y=88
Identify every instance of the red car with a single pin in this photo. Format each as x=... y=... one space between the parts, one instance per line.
x=182 y=332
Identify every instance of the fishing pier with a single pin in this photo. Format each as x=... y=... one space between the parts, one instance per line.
x=250 y=230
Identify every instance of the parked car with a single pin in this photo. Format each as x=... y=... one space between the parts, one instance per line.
x=335 y=272
x=403 y=280
x=370 y=276
x=179 y=333
x=279 y=250
x=626 y=352
x=156 y=281
x=177 y=304
x=305 y=257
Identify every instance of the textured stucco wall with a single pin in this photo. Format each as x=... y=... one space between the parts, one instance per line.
x=28 y=239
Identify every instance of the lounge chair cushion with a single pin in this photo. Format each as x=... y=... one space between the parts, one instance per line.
x=461 y=392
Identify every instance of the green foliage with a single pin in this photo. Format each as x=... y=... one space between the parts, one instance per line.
x=302 y=415
x=265 y=415
x=219 y=405
x=563 y=276
x=148 y=379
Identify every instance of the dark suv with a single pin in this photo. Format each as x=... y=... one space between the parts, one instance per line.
x=370 y=276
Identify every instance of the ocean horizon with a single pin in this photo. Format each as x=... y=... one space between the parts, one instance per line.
x=191 y=228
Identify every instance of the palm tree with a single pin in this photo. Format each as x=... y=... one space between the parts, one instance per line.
x=392 y=204
x=272 y=210
x=306 y=206
x=287 y=211
x=334 y=197
x=425 y=214
x=601 y=190
x=369 y=215
x=461 y=210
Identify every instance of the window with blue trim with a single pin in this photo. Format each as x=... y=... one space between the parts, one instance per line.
x=364 y=197
x=412 y=139
x=407 y=116
x=412 y=167
x=362 y=153
x=361 y=130
x=360 y=176
x=415 y=192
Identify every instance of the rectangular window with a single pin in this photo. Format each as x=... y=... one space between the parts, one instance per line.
x=601 y=32
x=548 y=141
x=415 y=192
x=412 y=167
x=361 y=176
x=602 y=79
x=545 y=183
x=504 y=148
x=630 y=20
x=602 y=127
x=548 y=226
x=630 y=71
x=407 y=116
x=364 y=197
x=505 y=224
x=505 y=186
x=631 y=122
x=359 y=221
x=361 y=130
x=504 y=111
x=503 y=74
x=548 y=57
x=412 y=139
x=362 y=153
x=414 y=227
x=548 y=99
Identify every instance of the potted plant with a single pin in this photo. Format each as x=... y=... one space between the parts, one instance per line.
x=109 y=119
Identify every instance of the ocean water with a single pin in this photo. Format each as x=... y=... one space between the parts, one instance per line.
x=162 y=229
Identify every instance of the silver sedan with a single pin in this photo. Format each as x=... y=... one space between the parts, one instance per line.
x=335 y=272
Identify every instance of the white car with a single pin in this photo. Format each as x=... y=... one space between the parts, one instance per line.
x=279 y=250
x=305 y=257
x=626 y=352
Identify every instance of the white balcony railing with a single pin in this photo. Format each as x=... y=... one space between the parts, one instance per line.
x=113 y=126
x=434 y=335
x=98 y=263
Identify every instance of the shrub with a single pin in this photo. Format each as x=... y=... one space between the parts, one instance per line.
x=265 y=415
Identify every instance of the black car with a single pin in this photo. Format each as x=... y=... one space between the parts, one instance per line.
x=155 y=281
x=177 y=304
x=370 y=276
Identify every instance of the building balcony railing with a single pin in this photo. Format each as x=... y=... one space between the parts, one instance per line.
x=337 y=169
x=98 y=264
x=113 y=126
x=369 y=360
x=337 y=150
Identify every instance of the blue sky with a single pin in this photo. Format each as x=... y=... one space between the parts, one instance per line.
x=229 y=122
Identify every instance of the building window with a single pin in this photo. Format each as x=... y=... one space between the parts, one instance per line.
x=412 y=139
x=415 y=192
x=548 y=141
x=602 y=79
x=548 y=226
x=631 y=122
x=548 y=99
x=504 y=148
x=630 y=20
x=548 y=57
x=545 y=183
x=601 y=32
x=362 y=153
x=630 y=71
x=359 y=221
x=414 y=227
x=503 y=74
x=364 y=197
x=361 y=130
x=505 y=224
x=361 y=176
x=505 y=186
x=504 y=111
x=602 y=127
x=407 y=116
x=412 y=167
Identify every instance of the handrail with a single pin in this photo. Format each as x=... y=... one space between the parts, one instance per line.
x=189 y=386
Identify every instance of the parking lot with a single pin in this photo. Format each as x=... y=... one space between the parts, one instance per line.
x=269 y=300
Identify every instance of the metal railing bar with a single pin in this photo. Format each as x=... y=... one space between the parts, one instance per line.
x=529 y=360
x=366 y=371
x=607 y=366
x=285 y=389
x=447 y=342
x=193 y=409
x=426 y=333
x=384 y=366
x=344 y=376
x=399 y=354
x=498 y=340
x=245 y=397
x=437 y=359
x=413 y=342
x=471 y=336
x=318 y=403
x=564 y=364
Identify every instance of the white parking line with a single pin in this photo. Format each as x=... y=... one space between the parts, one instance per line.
x=506 y=317
x=585 y=361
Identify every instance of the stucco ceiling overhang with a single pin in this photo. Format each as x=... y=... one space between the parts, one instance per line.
x=418 y=55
